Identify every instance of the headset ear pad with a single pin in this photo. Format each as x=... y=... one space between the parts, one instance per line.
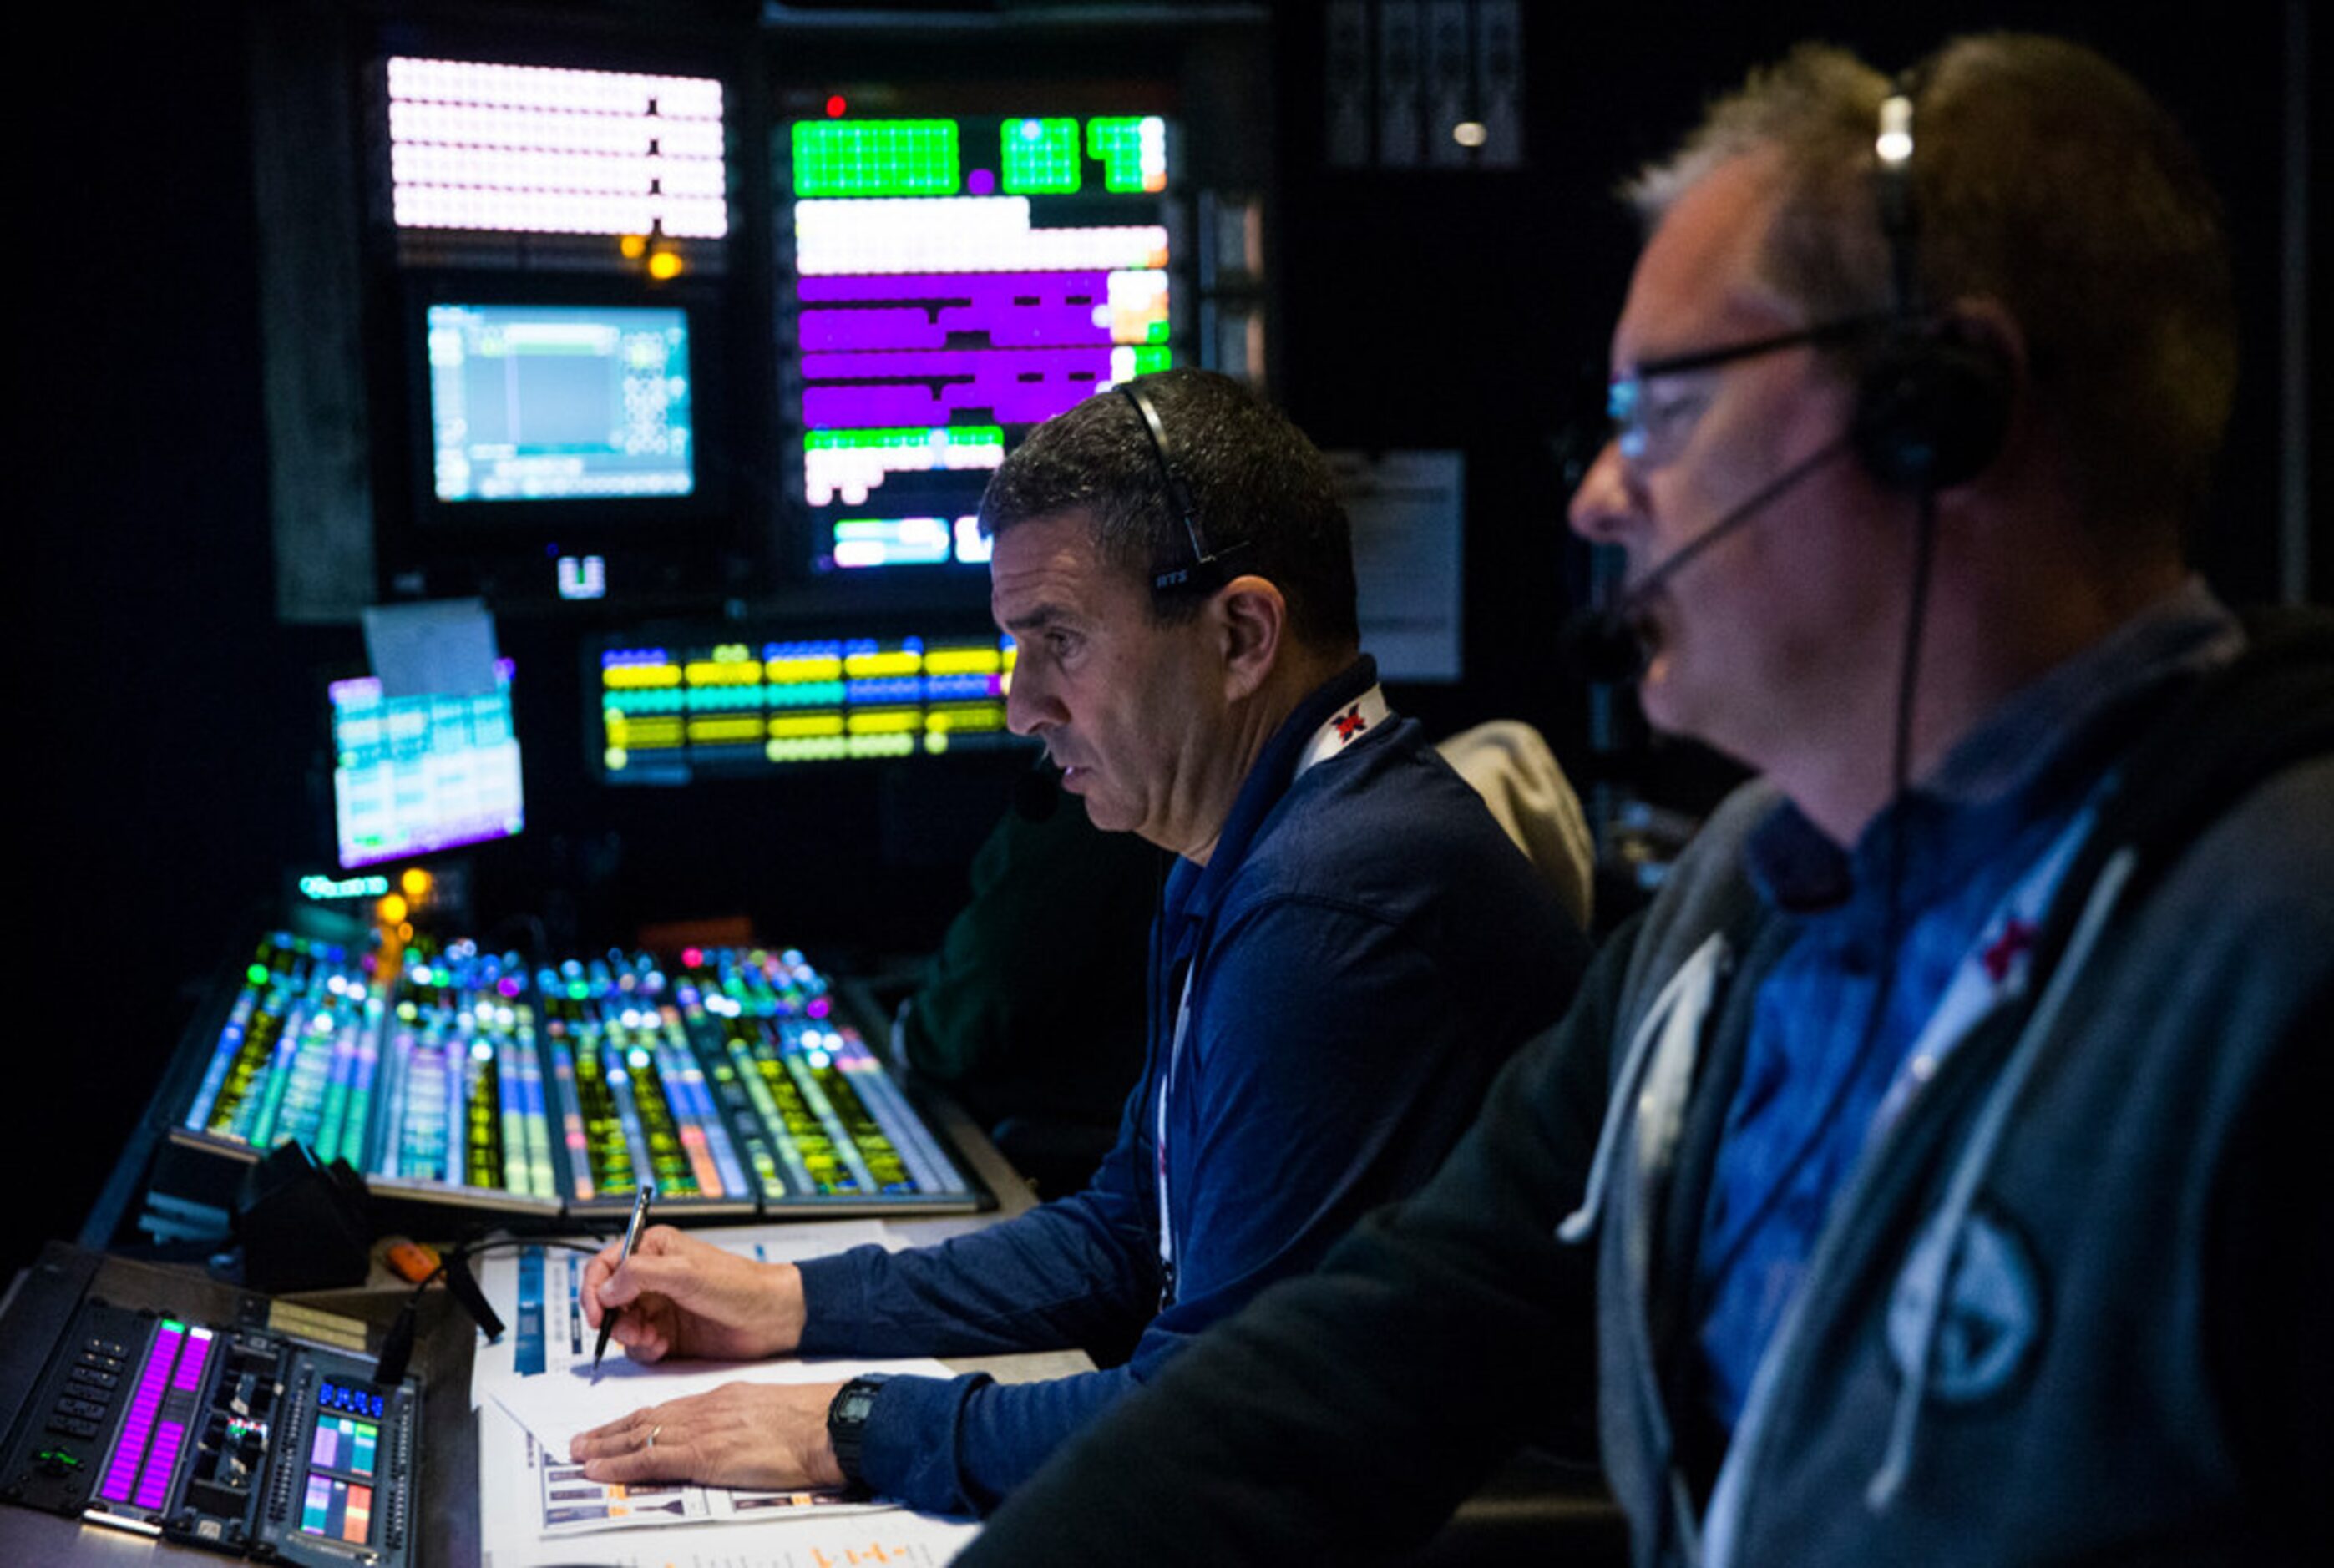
x=1932 y=410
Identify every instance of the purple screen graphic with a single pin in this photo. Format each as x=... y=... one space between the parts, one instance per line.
x=929 y=346
x=922 y=311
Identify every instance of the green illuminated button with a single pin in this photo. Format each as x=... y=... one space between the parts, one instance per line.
x=1039 y=156
x=1133 y=152
x=876 y=158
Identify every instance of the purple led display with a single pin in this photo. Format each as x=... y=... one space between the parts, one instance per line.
x=903 y=328
x=171 y=1436
x=155 y=1485
x=919 y=312
x=1017 y=386
x=145 y=1404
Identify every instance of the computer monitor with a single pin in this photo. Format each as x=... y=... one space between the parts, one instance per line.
x=953 y=279
x=416 y=774
x=559 y=402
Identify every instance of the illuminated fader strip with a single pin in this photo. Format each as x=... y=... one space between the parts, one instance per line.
x=647 y=1110
x=761 y=995
x=271 y=1073
x=840 y=1127
x=926 y=1168
x=602 y=1159
x=809 y=1058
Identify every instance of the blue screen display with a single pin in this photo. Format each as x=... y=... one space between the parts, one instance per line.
x=416 y=774
x=560 y=403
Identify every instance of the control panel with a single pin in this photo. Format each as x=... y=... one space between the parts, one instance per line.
x=227 y=1437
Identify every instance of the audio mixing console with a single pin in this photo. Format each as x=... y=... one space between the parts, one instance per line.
x=230 y=1433
x=445 y=1073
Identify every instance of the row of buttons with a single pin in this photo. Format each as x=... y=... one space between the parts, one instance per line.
x=91 y=1383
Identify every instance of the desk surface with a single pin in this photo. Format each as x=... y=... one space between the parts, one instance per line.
x=449 y=1467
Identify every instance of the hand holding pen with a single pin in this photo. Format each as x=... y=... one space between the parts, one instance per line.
x=681 y=1296
x=641 y=1201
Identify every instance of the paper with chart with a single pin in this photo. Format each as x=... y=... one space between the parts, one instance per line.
x=511 y=1467
x=537 y=1374
x=534 y=1288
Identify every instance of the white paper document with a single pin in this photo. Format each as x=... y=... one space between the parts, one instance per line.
x=534 y=1289
x=513 y=1473
x=534 y=1392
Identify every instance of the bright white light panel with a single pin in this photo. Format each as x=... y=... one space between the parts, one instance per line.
x=530 y=149
x=959 y=234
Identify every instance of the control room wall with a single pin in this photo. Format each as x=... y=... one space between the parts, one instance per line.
x=170 y=731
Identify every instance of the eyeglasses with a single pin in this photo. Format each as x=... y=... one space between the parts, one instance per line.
x=1653 y=431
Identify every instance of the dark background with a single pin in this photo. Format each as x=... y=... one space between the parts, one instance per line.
x=172 y=738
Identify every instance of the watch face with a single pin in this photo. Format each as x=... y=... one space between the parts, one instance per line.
x=849 y=1411
x=847 y=1420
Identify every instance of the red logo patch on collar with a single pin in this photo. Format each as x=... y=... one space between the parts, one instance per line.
x=1350 y=723
x=2016 y=940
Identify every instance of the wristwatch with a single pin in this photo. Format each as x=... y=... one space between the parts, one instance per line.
x=846 y=1421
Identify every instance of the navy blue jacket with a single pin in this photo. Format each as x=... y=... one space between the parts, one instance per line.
x=1367 y=947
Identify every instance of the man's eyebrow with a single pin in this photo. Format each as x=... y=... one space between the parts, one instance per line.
x=1037 y=617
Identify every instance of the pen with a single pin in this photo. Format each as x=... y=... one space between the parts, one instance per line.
x=632 y=1239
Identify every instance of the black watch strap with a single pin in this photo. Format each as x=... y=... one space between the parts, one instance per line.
x=846 y=1421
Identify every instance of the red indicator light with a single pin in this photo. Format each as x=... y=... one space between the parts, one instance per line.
x=835 y=106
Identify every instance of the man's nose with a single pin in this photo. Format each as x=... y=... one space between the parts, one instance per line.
x=1607 y=495
x=1030 y=707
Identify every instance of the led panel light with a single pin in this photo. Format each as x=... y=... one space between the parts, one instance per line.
x=533 y=149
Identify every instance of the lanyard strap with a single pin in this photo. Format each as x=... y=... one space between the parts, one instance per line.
x=1338 y=731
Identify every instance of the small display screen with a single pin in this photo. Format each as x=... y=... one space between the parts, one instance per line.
x=345 y=1443
x=560 y=403
x=337 y=1510
x=673 y=711
x=427 y=772
x=343 y=1460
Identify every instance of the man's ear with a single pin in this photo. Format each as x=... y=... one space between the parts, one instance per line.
x=1250 y=618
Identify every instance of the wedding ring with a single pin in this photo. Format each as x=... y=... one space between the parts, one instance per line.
x=652 y=1435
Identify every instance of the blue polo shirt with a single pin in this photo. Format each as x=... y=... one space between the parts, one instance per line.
x=1819 y=1065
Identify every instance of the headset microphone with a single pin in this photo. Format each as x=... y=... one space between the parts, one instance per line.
x=1602 y=643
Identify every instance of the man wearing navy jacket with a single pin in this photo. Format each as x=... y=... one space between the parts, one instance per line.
x=1348 y=948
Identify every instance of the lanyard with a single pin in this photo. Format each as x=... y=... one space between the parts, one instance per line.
x=1338 y=731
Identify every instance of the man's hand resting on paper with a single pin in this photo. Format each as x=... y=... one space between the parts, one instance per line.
x=769 y=1437
x=681 y=1296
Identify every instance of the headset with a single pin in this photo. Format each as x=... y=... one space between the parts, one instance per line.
x=1933 y=405
x=1206 y=572
x=1932 y=410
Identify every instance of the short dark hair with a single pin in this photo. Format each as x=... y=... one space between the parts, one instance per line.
x=1256 y=481
x=2044 y=177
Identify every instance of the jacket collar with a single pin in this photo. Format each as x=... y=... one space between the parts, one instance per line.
x=1192 y=890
